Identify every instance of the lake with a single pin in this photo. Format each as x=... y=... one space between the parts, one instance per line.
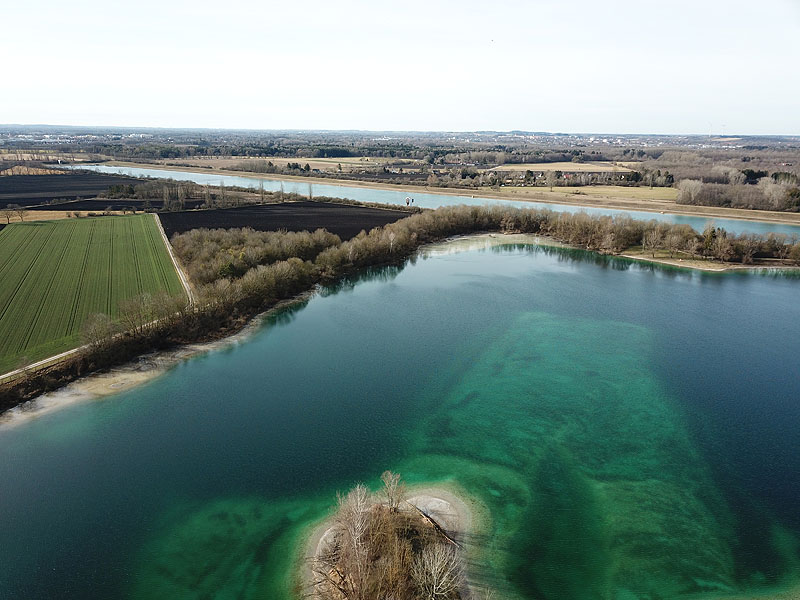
x=388 y=196
x=631 y=430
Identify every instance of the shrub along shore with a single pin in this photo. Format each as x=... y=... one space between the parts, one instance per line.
x=238 y=274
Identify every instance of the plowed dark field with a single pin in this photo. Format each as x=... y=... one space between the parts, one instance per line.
x=101 y=204
x=29 y=190
x=344 y=220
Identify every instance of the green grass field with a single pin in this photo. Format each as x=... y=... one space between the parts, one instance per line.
x=54 y=274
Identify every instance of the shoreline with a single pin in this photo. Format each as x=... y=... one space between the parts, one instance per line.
x=708 y=266
x=146 y=367
x=499 y=239
x=538 y=196
x=131 y=374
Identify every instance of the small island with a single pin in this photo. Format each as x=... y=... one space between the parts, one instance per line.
x=392 y=544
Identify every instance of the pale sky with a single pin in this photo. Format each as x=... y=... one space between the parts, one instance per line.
x=674 y=66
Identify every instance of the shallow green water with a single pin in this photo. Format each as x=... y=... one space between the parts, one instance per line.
x=631 y=431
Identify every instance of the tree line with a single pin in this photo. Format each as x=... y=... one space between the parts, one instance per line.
x=240 y=272
x=777 y=192
x=249 y=272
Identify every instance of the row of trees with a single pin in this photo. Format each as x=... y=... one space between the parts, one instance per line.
x=211 y=254
x=768 y=194
x=175 y=195
x=11 y=211
x=734 y=165
x=267 y=166
x=394 y=242
x=240 y=272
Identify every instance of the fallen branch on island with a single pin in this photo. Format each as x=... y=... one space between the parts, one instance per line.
x=434 y=524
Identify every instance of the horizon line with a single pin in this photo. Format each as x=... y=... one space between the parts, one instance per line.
x=405 y=131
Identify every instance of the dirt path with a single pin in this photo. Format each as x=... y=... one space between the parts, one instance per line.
x=181 y=275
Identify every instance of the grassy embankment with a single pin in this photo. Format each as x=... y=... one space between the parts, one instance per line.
x=55 y=274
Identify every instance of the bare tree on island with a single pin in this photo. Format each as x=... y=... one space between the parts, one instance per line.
x=437 y=572
x=394 y=490
x=353 y=519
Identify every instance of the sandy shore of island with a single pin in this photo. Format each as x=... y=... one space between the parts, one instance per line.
x=523 y=194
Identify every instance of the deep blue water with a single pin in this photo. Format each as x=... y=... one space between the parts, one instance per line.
x=686 y=383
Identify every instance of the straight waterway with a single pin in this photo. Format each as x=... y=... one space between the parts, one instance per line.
x=398 y=197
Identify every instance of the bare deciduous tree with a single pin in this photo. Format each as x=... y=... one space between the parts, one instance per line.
x=722 y=248
x=437 y=572
x=673 y=242
x=393 y=489
x=688 y=189
x=651 y=241
x=98 y=330
x=774 y=193
x=747 y=246
x=551 y=177
x=352 y=518
x=18 y=210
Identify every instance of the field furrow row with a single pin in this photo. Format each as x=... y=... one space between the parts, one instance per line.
x=55 y=274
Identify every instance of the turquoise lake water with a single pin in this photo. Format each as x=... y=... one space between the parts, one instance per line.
x=632 y=430
x=387 y=196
